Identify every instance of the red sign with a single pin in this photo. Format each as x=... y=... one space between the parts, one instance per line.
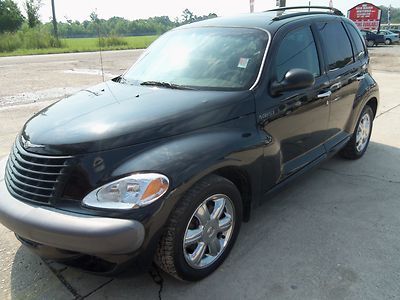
x=365 y=16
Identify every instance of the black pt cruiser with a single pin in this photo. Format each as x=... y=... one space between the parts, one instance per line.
x=164 y=162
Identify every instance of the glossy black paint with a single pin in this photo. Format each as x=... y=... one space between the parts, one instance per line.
x=113 y=115
x=258 y=139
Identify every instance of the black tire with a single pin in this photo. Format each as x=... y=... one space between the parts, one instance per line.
x=170 y=255
x=350 y=150
x=370 y=43
x=388 y=42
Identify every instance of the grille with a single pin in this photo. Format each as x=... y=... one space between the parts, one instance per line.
x=32 y=177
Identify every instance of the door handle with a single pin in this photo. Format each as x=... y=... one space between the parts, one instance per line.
x=360 y=77
x=324 y=95
x=336 y=86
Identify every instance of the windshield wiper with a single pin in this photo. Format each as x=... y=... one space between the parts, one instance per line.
x=166 y=85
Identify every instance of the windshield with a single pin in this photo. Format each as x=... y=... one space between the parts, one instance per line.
x=202 y=58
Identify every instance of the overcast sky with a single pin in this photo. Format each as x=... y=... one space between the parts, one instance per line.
x=135 y=9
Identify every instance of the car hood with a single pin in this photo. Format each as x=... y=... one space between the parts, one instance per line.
x=112 y=115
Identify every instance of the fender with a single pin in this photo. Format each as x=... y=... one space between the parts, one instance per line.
x=185 y=159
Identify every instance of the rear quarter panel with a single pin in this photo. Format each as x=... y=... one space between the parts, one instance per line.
x=368 y=90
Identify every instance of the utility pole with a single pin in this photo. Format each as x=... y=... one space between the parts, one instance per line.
x=281 y=3
x=54 y=19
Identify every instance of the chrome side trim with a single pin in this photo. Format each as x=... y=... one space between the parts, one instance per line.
x=264 y=59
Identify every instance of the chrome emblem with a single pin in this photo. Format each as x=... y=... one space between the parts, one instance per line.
x=28 y=144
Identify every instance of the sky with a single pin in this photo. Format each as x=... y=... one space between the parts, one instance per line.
x=135 y=9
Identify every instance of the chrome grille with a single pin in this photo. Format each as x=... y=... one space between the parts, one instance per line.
x=33 y=177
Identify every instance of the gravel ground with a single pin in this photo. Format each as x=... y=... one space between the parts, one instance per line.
x=29 y=79
x=332 y=235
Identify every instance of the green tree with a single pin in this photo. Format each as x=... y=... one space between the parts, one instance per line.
x=11 y=17
x=32 y=12
x=188 y=16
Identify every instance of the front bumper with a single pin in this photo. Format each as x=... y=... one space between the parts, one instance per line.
x=68 y=231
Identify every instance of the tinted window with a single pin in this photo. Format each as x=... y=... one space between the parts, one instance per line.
x=337 y=44
x=297 y=50
x=359 y=51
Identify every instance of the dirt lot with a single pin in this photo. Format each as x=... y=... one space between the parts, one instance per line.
x=332 y=235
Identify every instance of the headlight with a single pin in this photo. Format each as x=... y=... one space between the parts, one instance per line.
x=130 y=192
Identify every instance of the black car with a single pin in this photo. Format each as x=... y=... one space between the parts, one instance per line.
x=372 y=38
x=164 y=162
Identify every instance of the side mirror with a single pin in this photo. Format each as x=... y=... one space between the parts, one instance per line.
x=295 y=79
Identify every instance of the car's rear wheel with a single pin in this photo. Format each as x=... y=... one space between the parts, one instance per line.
x=388 y=41
x=359 y=141
x=201 y=230
x=370 y=43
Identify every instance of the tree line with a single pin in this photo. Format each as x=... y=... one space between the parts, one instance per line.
x=12 y=19
x=122 y=27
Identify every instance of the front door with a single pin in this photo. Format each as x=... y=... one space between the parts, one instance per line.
x=295 y=123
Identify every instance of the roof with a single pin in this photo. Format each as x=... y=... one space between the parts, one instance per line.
x=268 y=20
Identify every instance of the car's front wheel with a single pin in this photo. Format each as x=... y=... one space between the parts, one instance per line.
x=201 y=230
x=359 y=141
x=370 y=43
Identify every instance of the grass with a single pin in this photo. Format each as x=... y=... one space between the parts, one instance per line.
x=89 y=45
x=28 y=38
x=112 y=41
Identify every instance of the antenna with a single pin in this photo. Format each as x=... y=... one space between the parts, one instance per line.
x=101 y=52
x=95 y=18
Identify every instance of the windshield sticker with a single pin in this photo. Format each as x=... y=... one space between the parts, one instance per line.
x=243 y=62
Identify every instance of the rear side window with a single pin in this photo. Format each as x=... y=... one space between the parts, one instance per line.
x=297 y=50
x=337 y=44
x=359 y=51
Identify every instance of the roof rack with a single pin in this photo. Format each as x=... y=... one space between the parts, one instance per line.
x=331 y=10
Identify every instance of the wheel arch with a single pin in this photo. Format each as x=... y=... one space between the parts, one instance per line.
x=373 y=103
x=242 y=181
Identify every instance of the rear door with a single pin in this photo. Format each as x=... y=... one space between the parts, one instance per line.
x=345 y=71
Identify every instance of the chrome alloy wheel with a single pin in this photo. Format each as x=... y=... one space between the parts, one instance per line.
x=209 y=231
x=363 y=132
